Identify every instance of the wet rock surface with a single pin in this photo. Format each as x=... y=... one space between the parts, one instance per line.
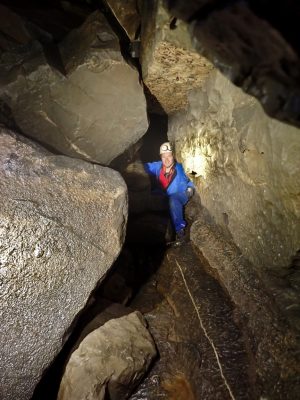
x=110 y=361
x=61 y=228
x=275 y=339
x=208 y=347
x=203 y=353
x=86 y=101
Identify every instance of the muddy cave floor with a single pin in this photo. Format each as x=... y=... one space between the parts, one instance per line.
x=204 y=352
x=201 y=348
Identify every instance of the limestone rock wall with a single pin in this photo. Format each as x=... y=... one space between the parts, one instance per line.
x=62 y=225
x=81 y=99
x=247 y=169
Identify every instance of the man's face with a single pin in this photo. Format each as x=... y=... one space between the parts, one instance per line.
x=167 y=159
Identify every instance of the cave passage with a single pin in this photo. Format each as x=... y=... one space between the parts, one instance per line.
x=89 y=91
x=204 y=351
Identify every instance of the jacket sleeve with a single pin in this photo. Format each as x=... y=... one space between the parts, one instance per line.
x=187 y=180
x=191 y=184
x=151 y=167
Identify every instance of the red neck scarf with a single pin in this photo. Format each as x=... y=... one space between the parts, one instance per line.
x=166 y=178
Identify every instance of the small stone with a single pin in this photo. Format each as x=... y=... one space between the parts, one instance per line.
x=112 y=358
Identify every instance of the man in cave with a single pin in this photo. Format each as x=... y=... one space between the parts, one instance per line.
x=172 y=182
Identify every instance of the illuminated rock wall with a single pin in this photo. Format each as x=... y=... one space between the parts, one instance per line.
x=247 y=169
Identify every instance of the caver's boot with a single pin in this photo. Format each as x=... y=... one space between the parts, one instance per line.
x=180 y=237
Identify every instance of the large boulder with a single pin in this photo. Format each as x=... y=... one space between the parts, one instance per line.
x=170 y=65
x=62 y=225
x=85 y=102
x=247 y=169
x=110 y=361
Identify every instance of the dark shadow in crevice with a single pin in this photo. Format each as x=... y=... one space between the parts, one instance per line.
x=7 y=121
x=139 y=259
x=49 y=15
x=144 y=261
x=124 y=40
x=48 y=386
x=153 y=105
x=137 y=262
x=53 y=57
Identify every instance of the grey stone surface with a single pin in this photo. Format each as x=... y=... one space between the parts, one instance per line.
x=88 y=104
x=247 y=169
x=110 y=361
x=62 y=225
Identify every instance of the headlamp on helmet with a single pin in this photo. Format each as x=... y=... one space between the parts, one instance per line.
x=165 y=148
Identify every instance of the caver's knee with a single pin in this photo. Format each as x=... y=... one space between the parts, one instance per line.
x=177 y=199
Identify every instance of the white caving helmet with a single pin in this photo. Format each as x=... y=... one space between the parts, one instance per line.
x=165 y=148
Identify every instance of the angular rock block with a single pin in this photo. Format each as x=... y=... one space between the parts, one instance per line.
x=127 y=14
x=88 y=104
x=247 y=169
x=62 y=225
x=109 y=361
x=170 y=65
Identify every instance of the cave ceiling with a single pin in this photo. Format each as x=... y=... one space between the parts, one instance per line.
x=254 y=43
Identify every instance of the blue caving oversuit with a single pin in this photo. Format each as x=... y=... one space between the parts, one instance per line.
x=176 y=191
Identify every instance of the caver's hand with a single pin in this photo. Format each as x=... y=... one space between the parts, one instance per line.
x=190 y=192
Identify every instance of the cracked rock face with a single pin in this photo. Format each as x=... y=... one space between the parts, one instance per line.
x=110 y=361
x=62 y=225
x=170 y=65
x=86 y=102
x=127 y=14
x=247 y=169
